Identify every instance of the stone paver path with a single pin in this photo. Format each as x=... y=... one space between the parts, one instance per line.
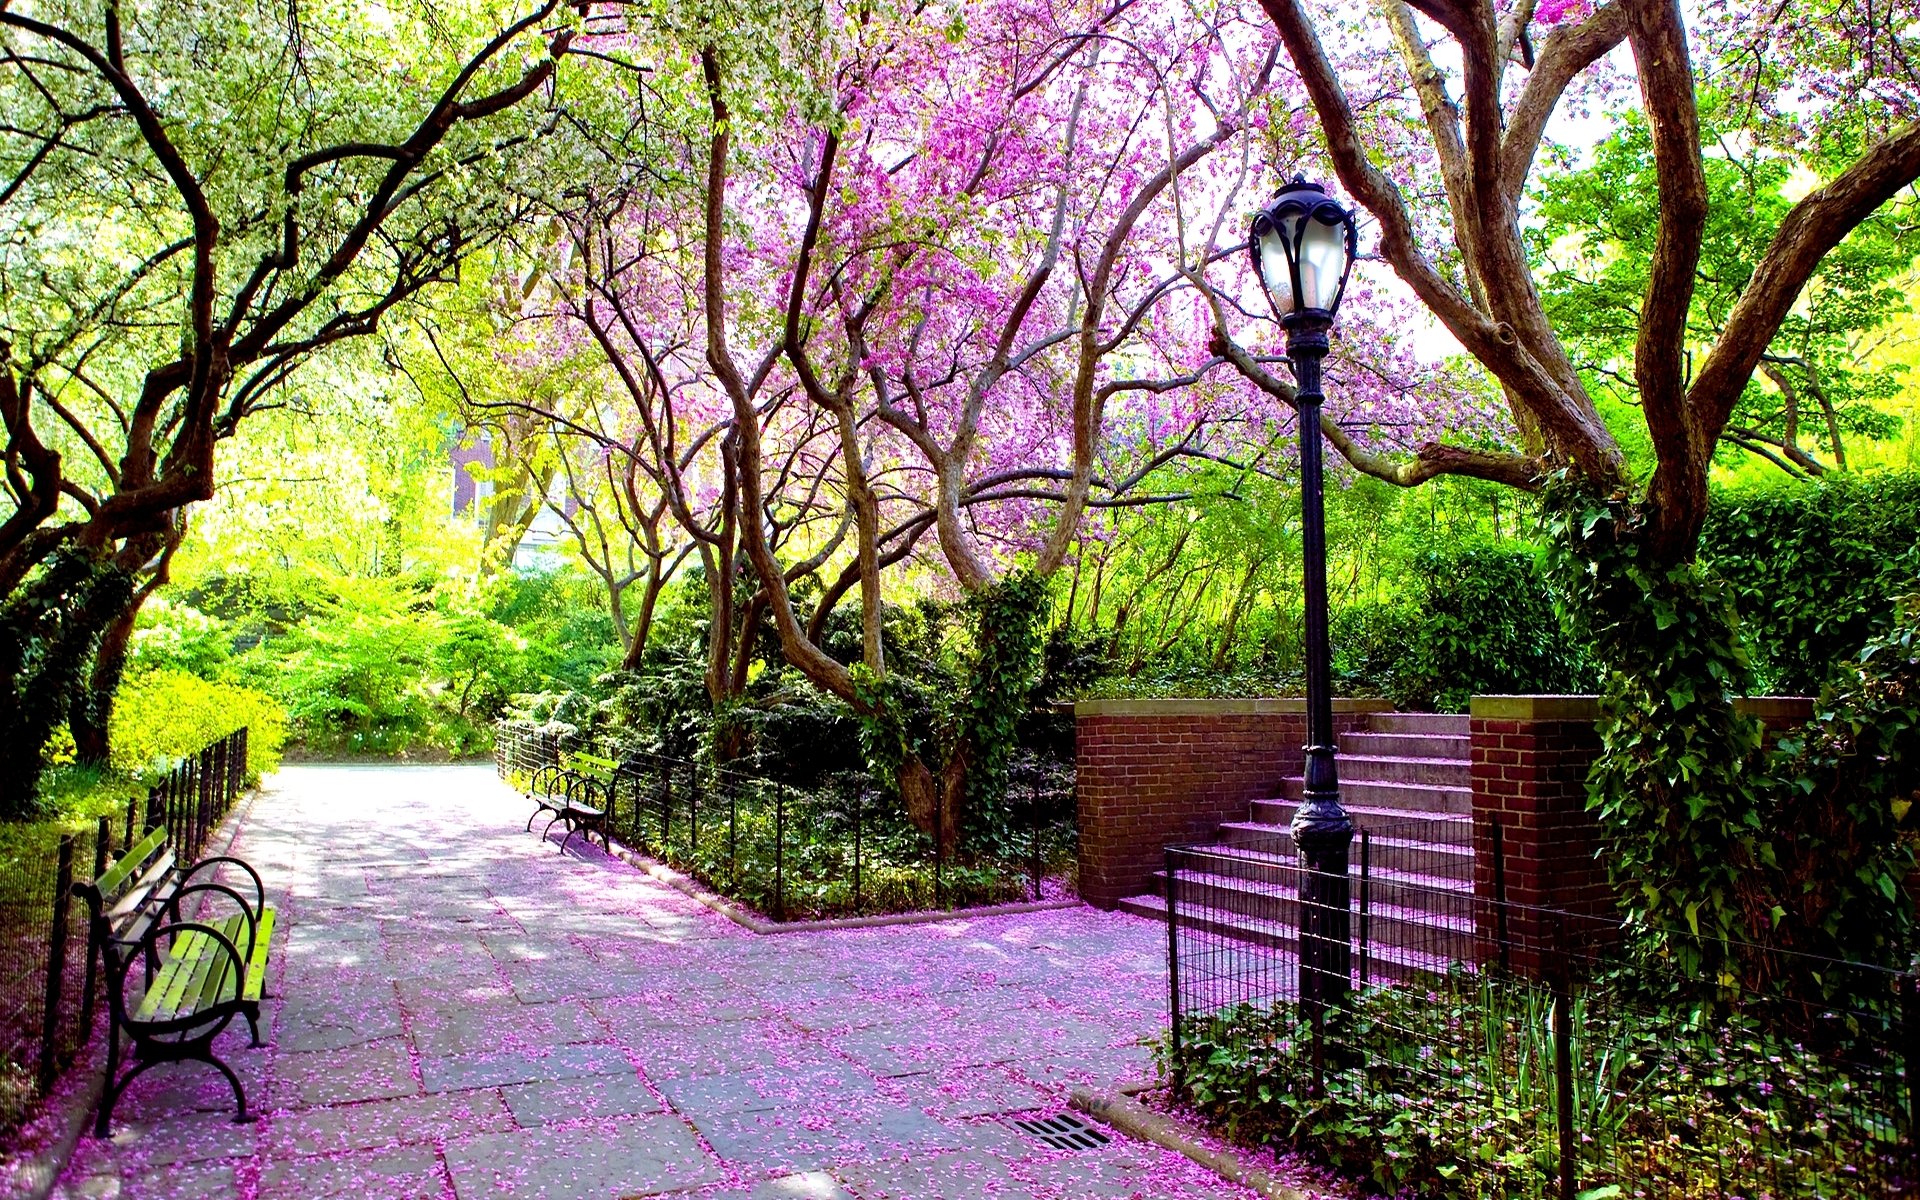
x=465 y=1012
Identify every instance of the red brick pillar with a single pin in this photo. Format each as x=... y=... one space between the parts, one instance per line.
x=1535 y=844
x=1156 y=773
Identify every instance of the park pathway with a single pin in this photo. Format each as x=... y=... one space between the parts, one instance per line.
x=465 y=1012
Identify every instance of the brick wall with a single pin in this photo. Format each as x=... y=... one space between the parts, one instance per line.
x=1155 y=773
x=1534 y=840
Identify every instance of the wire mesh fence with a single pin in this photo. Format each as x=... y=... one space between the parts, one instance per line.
x=844 y=848
x=48 y=996
x=1490 y=1049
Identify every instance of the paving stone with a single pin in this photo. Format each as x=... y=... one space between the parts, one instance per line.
x=375 y=1071
x=504 y=1024
x=193 y=1137
x=725 y=1048
x=407 y=1173
x=495 y=1070
x=807 y=1185
x=183 y=1181
x=626 y=1157
x=819 y=1137
x=943 y=1177
x=377 y=1123
x=553 y=1101
x=752 y=1091
x=970 y=1092
x=332 y=1019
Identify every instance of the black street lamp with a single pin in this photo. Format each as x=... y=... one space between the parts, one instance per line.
x=1303 y=247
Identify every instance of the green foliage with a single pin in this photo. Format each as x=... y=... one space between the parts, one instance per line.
x=173 y=635
x=163 y=715
x=1002 y=667
x=1812 y=568
x=1481 y=621
x=1448 y=1092
x=1846 y=830
x=1676 y=783
x=1817 y=388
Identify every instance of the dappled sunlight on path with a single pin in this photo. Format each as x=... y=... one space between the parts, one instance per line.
x=462 y=1011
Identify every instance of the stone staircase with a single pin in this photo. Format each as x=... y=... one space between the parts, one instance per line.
x=1405 y=780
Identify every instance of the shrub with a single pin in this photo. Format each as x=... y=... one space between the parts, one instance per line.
x=1481 y=621
x=162 y=715
x=1812 y=569
x=1448 y=1092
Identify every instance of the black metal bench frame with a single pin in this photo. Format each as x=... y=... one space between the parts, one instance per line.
x=136 y=920
x=565 y=790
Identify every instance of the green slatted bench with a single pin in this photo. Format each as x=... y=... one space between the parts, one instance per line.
x=197 y=971
x=589 y=796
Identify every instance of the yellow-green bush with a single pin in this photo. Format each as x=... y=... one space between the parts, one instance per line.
x=161 y=715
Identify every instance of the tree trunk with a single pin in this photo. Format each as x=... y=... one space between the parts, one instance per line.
x=91 y=717
x=48 y=632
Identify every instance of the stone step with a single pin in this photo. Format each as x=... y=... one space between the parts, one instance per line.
x=1406 y=745
x=1448 y=723
x=1453 y=829
x=1372 y=768
x=1399 y=917
x=1363 y=793
x=1404 y=853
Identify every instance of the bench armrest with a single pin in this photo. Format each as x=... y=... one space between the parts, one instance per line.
x=259 y=890
x=253 y=918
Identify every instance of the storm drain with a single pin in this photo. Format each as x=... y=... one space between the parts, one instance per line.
x=1064 y=1132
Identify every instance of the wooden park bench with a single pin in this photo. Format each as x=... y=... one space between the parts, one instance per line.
x=197 y=971
x=578 y=791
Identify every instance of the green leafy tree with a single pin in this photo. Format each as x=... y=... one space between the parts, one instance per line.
x=196 y=201
x=1816 y=385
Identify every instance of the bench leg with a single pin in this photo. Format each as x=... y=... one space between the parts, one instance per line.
x=548 y=827
x=252 y=1014
x=573 y=827
x=112 y=1092
x=239 y=1093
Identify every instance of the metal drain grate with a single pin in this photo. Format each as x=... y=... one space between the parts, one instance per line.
x=1064 y=1132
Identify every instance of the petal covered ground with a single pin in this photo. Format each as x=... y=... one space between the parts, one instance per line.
x=464 y=1012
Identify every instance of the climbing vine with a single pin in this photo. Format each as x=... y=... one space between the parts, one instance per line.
x=1722 y=852
x=1677 y=783
x=958 y=743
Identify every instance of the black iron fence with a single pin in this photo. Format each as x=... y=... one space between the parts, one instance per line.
x=843 y=848
x=47 y=978
x=1490 y=1049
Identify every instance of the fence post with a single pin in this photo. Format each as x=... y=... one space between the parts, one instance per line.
x=102 y=839
x=1366 y=907
x=859 y=815
x=1500 y=894
x=1173 y=977
x=132 y=803
x=693 y=810
x=56 y=960
x=205 y=827
x=1910 y=1053
x=779 y=852
x=733 y=834
x=1033 y=836
x=939 y=840
x=1561 y=982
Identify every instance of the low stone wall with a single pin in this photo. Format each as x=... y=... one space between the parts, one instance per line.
x=1535 y=843
x=1156 y=773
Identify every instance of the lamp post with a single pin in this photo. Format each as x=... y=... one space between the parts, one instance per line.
x=1303 y=246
